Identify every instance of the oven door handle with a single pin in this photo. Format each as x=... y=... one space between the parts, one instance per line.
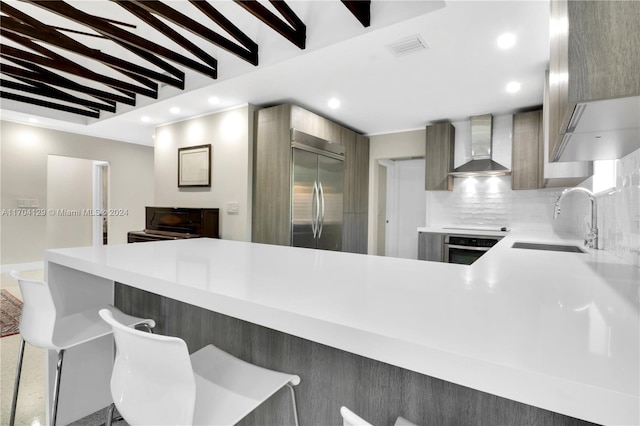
x=449 y=246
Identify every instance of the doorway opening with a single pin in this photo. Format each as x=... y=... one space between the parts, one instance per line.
x=100 y=203
x=77 y=202
x=401 y=206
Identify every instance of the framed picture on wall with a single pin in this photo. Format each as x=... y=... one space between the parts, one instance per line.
x=194 y=166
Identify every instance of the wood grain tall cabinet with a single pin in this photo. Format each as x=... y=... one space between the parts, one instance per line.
x=271 y=219
x=356 y=192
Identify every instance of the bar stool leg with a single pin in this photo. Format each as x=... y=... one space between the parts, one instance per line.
x=293 y=402
x=56 y=389
x=16 y=384
x=110 y=414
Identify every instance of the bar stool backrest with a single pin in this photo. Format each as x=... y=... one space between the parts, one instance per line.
x=152 y=381
x=38 y=318
x=349 y=418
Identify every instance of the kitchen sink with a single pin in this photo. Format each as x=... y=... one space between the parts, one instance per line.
x=548 y=247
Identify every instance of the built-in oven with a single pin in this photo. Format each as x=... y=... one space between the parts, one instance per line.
x=466 y=249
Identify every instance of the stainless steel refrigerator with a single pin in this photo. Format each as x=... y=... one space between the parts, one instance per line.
x=316 y=189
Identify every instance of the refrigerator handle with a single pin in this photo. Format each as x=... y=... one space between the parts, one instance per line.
x=322 y=210
x=314 y=208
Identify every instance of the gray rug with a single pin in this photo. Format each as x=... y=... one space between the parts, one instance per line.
x=10 y=310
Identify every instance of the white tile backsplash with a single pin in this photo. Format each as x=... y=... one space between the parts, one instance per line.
x=490 y=201
x=620 y=211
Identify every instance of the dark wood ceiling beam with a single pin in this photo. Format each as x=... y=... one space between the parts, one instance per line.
x=55 y=61
x=118 y=34
x=22 y=24
x=283 y=8
x=44 y=90
x=50 y=105
x=39 y=74
x=296 y=34
x=361 y=9
x=169 y=32
x=11 y=25
x=217 y=17
x=172 y=15
x=150 y=57
x=120 y=23
x=69 y=30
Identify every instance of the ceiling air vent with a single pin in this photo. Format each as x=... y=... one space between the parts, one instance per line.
x=407 y=45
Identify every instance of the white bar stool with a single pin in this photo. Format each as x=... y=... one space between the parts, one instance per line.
x=41 y=326
x=349 y=418
x=156 y=382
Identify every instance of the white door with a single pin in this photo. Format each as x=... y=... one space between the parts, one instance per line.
x=406 y=207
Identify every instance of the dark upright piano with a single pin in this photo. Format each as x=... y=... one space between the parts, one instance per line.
x=175 y=223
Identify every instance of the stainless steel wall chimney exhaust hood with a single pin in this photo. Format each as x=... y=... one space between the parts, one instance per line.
x=481 y=163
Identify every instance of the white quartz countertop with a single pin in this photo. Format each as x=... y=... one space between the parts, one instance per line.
x=560 y=331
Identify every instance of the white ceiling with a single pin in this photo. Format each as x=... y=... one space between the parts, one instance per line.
x=462 y=73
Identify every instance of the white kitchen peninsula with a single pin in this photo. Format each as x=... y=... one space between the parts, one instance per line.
x=558 y=331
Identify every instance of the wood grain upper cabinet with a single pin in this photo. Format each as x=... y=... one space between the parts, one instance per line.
x=527 y=155
x=595 y=56
x=316 y=125
x=440 y=142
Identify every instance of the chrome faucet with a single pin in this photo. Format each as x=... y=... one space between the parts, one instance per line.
x=592 y=237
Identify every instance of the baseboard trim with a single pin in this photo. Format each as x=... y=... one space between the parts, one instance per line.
x=29 y=266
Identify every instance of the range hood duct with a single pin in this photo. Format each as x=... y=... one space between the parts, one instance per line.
x=481 y=163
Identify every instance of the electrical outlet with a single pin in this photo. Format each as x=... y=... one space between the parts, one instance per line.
x=28 y=203
x=233 y=208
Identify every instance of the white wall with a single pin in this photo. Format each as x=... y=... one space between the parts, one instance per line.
x=230 y=134
x=24 y=154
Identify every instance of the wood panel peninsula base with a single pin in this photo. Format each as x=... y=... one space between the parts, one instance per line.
x=331 y=378
x=436 y=343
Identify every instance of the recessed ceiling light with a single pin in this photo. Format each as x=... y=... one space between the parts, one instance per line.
x=145 y=119
x=513 y=87
x=214 y=100
x=175 y=110
x=334 y=103
x=33 y=120
x=506 y=41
